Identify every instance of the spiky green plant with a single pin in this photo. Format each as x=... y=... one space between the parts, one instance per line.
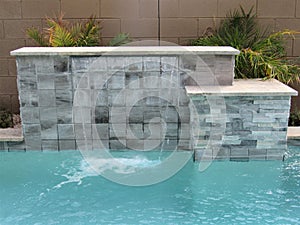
x=61 y=33
x=120 y=39
x=262 y=55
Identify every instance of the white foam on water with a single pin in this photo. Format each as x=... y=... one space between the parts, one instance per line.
x=95 y=165
x=77 y=175
x=139 y=161
x=122 y=165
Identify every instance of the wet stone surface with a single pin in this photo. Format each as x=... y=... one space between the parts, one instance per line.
x=140 y=102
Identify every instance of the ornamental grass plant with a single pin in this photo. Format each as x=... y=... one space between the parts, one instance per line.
x=262 y=54
x=62 y=33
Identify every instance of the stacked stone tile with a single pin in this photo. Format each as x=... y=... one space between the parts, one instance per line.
x=252 y=127
x=123 y=101
x=146 y=98
x=151 y=87
x=133 y=104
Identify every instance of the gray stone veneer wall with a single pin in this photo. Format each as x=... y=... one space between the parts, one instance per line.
x=133 y=101
x=139 y=98
x=252 y=127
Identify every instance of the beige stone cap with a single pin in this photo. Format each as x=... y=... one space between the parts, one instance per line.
x=293 y=132
x=126 y=50
x=245 y=87
x=11 y=134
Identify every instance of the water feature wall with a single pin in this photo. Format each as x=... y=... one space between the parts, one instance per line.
x=126 y=98
x=146 y=98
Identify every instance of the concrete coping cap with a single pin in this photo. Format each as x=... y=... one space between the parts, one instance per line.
x=11 y=134
x=244 y=87
x=125 y=50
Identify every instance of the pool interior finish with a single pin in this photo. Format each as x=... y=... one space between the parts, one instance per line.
x=60 y=188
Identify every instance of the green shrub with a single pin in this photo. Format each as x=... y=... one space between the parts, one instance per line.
x=294 y=119
x=120 y=39
x=61 y=33
x=6 y=119
x=262 y=55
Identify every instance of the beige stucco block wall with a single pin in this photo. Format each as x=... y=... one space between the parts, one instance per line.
x=80 y=8
x=276 y=8
x=180 y=21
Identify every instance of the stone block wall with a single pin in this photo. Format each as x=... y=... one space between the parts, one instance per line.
x=136 y=102
x=113 y=101
x=149 y=98
x=245 y=128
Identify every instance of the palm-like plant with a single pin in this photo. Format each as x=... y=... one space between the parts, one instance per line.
x=262 y=55
x=120 y=39
x=61 y=33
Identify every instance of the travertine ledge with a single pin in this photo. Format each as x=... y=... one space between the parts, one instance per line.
x=125 y=50
x=11 y=134
x=245 y=87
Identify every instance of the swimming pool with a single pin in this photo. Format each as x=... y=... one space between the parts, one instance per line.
x=60 y=188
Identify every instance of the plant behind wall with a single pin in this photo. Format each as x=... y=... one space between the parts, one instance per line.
x=294 y=119
x=262 y=54
x=6 y=119
x=61 y=33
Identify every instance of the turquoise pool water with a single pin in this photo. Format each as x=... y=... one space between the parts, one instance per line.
x=60 y=188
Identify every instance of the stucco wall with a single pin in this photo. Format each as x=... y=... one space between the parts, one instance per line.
x=180 y=20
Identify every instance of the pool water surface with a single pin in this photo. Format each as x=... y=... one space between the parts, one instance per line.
x=61 y=188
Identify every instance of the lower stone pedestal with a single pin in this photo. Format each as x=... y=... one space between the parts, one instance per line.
x=241 y=122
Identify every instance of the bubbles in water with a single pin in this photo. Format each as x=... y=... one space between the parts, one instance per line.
x=76 y=175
